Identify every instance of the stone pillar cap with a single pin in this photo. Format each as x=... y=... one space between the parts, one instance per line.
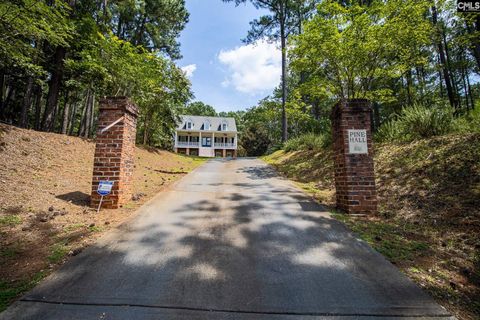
x=120 y=103
x=351 y=106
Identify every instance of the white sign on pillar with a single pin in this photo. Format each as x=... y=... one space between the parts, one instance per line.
x=357 y=141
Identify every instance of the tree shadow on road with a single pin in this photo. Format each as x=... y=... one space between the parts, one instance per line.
x=255 y=250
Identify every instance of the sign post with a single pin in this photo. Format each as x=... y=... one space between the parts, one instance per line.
x=357 y=141
x=353 y=157
x=104 y=189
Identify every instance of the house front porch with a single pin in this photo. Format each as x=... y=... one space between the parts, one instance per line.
x=206 y=144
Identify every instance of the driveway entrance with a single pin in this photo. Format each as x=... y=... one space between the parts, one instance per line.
x=232 y=240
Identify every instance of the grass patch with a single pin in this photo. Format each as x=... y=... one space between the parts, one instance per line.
x=391 y=240
x=10 y=291
x=10 y=220
x=95 y=229
x=310 y=170
x=73 y=227
x=58 y=252
x=9 y=252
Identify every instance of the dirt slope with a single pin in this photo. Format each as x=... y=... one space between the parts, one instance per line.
x=45 y=182
x=429 y=203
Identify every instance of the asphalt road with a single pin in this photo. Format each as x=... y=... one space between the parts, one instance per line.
x=231 y=240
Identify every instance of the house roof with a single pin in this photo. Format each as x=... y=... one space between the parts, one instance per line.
x=199 y=121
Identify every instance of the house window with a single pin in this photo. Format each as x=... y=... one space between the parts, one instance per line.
x=224 y=127
x=206 y=125
x=189 y=124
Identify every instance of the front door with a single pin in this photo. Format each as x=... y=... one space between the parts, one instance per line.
x=206 y=142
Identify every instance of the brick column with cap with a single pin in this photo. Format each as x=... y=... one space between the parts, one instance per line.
x=353 y=157
x=114 y=150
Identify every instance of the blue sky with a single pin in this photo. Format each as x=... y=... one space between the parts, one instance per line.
x=225 y=72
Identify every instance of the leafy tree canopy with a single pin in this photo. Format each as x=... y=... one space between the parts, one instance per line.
x=199 y=108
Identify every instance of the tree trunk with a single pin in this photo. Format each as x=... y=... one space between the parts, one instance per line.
x=470 y=93
x=443 y=61
x=408 y=79
x=119 y=26
x=66 y=115
x=38 y=107
x=376 y=116
x=27 y=101
x=2 y=92
x=88 y=115
x=92 y=115
x=465 y=88
x=421 y=84
x=440 y=77
x=71 y=121
x=475 y=46
x=145 y=131
x=81 y=130
x=54 y=90
x=139 y=35
x=284 y=76
x=10 y=96
x=456 y=92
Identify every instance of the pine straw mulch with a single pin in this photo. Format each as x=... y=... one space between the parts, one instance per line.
x=45 y=182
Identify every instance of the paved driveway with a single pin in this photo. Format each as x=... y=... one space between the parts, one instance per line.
x=231 y=240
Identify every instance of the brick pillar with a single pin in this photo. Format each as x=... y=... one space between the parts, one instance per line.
x=224 y=153
x=114 y=151
x=353 y=157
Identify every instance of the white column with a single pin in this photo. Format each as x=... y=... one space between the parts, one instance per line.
x=200 y=140
x=213 y=140
x=175 y=144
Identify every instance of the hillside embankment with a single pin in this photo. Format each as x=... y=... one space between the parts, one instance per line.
x=429 y=211
x=45 y=183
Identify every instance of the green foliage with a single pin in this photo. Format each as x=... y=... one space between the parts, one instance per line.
x=111 y=66
x=422 y=122
x=9 y=291
x=57 y=253
x=268 y=115
x=387 y=238
x=152 y=24
x=39 y=21
x=68 y=57
x=199 y=108
x=95 y=229
x=347 y=49
x=255 y=140
x=309 y=141
x=417 y=122
x=10 y=220
x=389 y=131
x=469 y=122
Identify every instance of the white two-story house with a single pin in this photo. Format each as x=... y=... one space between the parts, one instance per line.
x=206 y=136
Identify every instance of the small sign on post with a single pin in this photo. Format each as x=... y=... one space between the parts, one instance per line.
x=357 y=141
x=104 y=189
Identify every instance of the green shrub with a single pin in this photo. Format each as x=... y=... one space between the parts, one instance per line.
x=389 y=131
x=309 y=141
x=422 y=122
x=255 y=140
x=417 y=122
x=470 y=122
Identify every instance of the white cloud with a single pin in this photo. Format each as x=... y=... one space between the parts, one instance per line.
x=189 y=70
x=254 y=68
